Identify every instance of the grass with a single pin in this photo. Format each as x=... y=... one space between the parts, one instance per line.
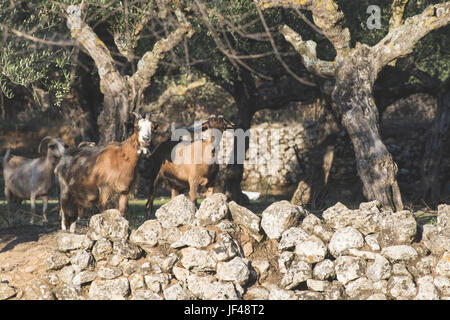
x=136 y=208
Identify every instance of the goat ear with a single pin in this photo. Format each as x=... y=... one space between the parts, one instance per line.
x=136 y=115
x=43 y=141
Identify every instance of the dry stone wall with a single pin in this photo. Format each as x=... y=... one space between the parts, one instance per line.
x=225 y=251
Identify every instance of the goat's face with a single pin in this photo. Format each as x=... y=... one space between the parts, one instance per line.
x=55 y=146
x=144 y=127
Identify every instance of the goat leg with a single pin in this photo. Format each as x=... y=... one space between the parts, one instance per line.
x=123 y=205
x=44 y=207
x=33 y=207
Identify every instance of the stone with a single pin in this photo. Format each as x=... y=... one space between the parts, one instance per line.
x=401 y=286
x=178 y=211
x=181 y=274
x=170 y=235
x=333 y=291
x=110 y=225
x=102 y=249
x=442 y=284
x=176 y=292
x=366 y=255
x=436 y=239
x=316 y=285
x=279 y=217
x=136 y=282
x=291 y=237
x=66 y=274
x=221 y=291
x=426 y=289
x=213 y=209
x=67 y=292
x=324 y=232
x=365 y=219
x=38 y=290
x=262 y=266
x=128 y=267
x=310 y=222
x=6 y=291
x=226 y=226
x=397 y=228
x=285 y=260
x=197 y=237
x=199 y=284
x=147 y=235
x=372 y=241
x=282 y=294
x=126 y=250
x=359 y=289
x=198 y=260
x=109 y=273
x=324 y=270
x=344 y=239
x=116 y=289
x=443 y=265
x=69 y=241
x=377 y=296
x=400 y=253
x=84 y=277
x=143 y=294
x=257 y=293
x=443 y=216
x=309 y=295
x=246 y=219
x=311 y=250
x=56 y=260
x=380 y=269
x=349 y=268
x=399 y=269
x=225 y=249
x=155 y=282
x=425 y=265
x=82 y=260
x=299 y=272
x=236 y=270
x=165 y=263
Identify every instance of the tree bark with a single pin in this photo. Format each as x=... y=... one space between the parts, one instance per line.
x=431 y=166
x=354 y=96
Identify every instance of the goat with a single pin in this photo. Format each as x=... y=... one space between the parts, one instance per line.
x=95 y=175
x=193 y=163
x=30 y=178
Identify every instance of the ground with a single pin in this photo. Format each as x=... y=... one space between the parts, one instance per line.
x=25 y=247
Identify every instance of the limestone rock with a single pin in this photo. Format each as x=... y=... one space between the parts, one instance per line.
x=116 y=289
x=311 y=250
x=6 y=291
x=69 y=241
x=225 y=249
x=110 y=225
x=426 y=289
x=236 y=270
x=197 y=237
x=299 y=272
x=102 y=249
x=109 y=273
x=443 y=265
x=349 y=268
x=380 y=269
x=280 y=216
x=56 y=260
x=126 y=249
x=400 y=253
x=147 y=235
x=179 y=211
x=324 y=270
x=291 y=237
x=213 y=209
x=344 y=239
x=401 y=286
x=199 y=260
x=176 y=292
x=397 y=228
x=246 y=219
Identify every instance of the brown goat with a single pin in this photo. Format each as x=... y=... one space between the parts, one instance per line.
x=30 y=178
x=96 y=175
x=192 y=165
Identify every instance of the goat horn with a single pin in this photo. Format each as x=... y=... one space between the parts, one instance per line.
x=137 y=115
x=42 y=141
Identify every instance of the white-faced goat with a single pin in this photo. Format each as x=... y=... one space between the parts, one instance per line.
x=193 y=164
x=97 y=175
x=30 y=178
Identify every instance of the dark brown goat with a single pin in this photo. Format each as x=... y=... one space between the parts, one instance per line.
x=192 y=164
x=96 y=175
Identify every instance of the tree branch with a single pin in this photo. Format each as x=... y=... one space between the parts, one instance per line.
x=307 y=50
x=148 y=64
x=401 y=40
x=177 y=90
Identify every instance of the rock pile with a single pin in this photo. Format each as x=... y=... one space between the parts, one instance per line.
x=224 y=251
